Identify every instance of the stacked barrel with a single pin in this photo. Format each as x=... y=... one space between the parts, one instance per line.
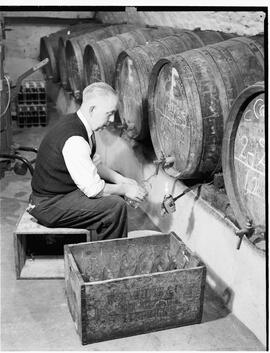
x=49 y=46
x=206 y=110
x=133 y=69
x=88 y=52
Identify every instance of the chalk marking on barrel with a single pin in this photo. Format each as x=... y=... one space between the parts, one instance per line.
x=245 y=115
x=173 y=121
x=252 y=191
x=250 y=167
x=261 y=161
x=260 y=108
x=244 y=137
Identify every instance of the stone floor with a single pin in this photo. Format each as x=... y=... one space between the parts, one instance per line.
x=35 y=314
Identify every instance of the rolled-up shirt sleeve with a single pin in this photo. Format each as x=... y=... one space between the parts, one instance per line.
x=83 y=171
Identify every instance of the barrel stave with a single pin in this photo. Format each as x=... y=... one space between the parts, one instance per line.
x=203 y=70
x=209 y=37
x=248 y=64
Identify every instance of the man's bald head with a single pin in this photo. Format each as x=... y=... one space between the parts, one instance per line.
x=97 y=91
x=99 y=104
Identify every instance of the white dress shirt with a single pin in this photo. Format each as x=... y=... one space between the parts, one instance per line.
x=81 y=167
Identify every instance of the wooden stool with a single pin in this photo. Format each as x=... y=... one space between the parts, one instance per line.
x=40 y=267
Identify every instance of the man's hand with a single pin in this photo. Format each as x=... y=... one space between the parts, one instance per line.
x=97 y=160
x=134 y=192
x=129 y=181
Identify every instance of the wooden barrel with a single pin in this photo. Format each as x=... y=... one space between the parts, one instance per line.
x=133 y=69
x=74 y=53
x=49 y=48
x=99 y=58
x=190 y=95
x=243 y=156
x=61 y=54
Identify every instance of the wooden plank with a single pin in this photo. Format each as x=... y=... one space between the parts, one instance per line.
x=19 y=253
x=19 y=250
x=28 y=225
x=52 y=14
x=137 y=305
x=73 y=284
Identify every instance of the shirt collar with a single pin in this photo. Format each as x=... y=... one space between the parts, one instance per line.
x=85 y=123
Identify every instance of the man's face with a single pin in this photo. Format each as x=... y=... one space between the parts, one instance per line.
x=103 y=112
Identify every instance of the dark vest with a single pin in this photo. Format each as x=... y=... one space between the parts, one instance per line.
x=51 y=176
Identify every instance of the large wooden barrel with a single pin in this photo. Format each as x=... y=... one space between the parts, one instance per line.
x=49 y=48
x=190 y=95
x=133 y=70
x=100 y=58
x=74 y=53
x=62 y=66
x=243 y=156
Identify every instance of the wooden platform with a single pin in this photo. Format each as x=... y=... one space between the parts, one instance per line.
x=45 y=265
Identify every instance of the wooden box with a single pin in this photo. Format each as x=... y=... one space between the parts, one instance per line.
x=123 y=287
x=39 y=250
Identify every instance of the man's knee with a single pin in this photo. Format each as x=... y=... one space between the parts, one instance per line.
x=119 y=204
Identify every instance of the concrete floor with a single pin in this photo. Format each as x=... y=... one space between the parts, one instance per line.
x=35 y=314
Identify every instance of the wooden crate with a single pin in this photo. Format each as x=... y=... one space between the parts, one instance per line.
x=44 y=265
x=123 y=287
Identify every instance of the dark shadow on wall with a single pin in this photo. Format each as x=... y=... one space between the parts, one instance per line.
x=214 y=307
x=191 y=220
x=221 y=293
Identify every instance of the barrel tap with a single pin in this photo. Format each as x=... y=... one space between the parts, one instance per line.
x=164 y=162
x=247 y=231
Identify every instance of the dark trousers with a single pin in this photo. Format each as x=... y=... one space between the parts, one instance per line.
x=107 y=215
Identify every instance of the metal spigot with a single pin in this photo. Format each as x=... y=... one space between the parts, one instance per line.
x=164 y=162
x=247 y=231
x=168 y=205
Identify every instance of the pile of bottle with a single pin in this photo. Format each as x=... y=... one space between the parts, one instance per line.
x=133 y=263
x=32 y=104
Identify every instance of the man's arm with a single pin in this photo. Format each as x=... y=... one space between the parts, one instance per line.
x=121 y=185
x=76 y=153
x=112 y=176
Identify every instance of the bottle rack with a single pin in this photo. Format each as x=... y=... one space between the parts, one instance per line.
x=32 y=104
